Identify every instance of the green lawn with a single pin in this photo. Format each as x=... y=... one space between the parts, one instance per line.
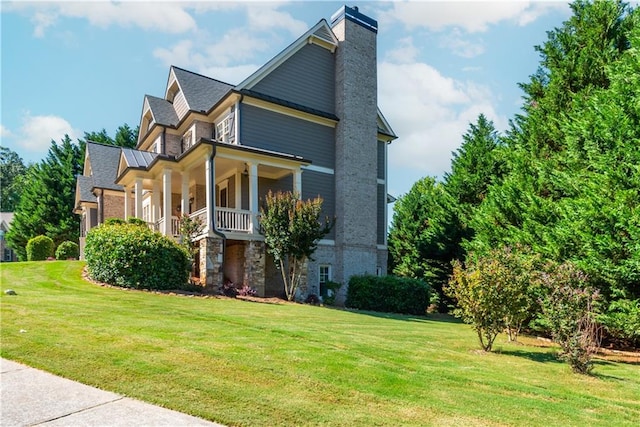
x=244 y=363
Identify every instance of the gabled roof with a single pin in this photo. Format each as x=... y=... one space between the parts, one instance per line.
x=384 y=127
x=200 y=92
x=320 y=34
x=162 y=111
x=104 y=165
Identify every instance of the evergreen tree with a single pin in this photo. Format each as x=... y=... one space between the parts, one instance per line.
x=46 y=205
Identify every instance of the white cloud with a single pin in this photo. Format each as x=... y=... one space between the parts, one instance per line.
x=461 y=46
x=4 y=132
x=404 y=52
x=37 y=132
x=430 y=112
x=230 y=57
x=471 y=16
x=265 y=17
x=168 y=17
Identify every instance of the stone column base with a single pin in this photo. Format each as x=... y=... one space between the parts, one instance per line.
x=211 y=258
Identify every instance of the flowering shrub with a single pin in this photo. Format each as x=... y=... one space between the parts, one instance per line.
x=495 y=292
x=570 y=313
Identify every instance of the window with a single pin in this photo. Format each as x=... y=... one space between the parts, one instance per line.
x=154 y=147
x=223 y=194
x=324 y=276
x=187 y=140
x=378 y=271
x=7 y=254
x=225 y=131
x=324 y=272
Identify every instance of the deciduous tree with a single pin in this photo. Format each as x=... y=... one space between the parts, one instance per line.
x=292 y=229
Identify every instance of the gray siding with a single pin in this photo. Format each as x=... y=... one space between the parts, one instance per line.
x=307 y=78
x=272 y=131
x=180 y=105
x=382 y=207
x=382 y=161
x=316 y=184
x=266 y=184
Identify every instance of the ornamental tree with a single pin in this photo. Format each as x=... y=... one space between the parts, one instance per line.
x=292 y=229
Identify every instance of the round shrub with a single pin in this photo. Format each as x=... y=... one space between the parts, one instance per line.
x=67 y=250
x=39 y=248
x=390 y=294
x=132 y=256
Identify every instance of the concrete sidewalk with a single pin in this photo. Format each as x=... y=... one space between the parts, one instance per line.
x=31 y=397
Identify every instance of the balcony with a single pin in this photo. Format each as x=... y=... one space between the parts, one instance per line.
x=234 y=220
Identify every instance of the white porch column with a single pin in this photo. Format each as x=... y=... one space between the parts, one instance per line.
x=210 y=191
x=127 y=199
x=184 y=202
x=155 y=202
x=166 y=202
x=297 y=182
x=253 y=195
x=138 y=198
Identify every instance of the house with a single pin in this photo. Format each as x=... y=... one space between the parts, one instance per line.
x=6 y=253
x=306 y=121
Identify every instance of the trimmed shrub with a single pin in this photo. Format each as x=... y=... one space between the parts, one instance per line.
x=67 y=250
x=114 y=221
x=132 y=256
x=137 y=221
x=39 y=248
x=389 y=294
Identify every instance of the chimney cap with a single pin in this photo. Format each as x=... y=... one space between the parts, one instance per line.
x=353 y=14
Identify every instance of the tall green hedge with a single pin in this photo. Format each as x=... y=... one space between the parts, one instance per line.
x=39 y=248
x=132 y=256
x=389 y=294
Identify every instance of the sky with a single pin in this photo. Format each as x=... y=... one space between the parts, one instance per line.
x=75 y=67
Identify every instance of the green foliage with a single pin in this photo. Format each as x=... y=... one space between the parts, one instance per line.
x=48 y=197
x=132 y=256
x=125 y=137
x=190 y=228
x=329 y=292
x=570 y=310
x=137 y=221
x=12 y=171
x=425 y=234
x=39 y=248
x=431 y=222
x=292 y=229
x=389 y=294
x=622 y=320
x=114 y=221
x=67 y=250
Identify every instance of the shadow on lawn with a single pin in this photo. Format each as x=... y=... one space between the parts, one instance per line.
x=543 y=357
x=432 y=317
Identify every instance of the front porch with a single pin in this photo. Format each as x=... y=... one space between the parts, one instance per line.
x=220 y=185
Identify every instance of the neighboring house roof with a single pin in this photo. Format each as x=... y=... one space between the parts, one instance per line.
x=162 y=111
x=137 y=159
x=84 y=188
x=104 y=165
x=200 y=92
x=5 y=220
x=384 y=127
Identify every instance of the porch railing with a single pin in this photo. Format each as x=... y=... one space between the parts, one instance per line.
x=175 y=225
x=234 y=220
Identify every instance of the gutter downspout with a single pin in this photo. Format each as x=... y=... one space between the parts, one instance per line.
x=211 y=202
